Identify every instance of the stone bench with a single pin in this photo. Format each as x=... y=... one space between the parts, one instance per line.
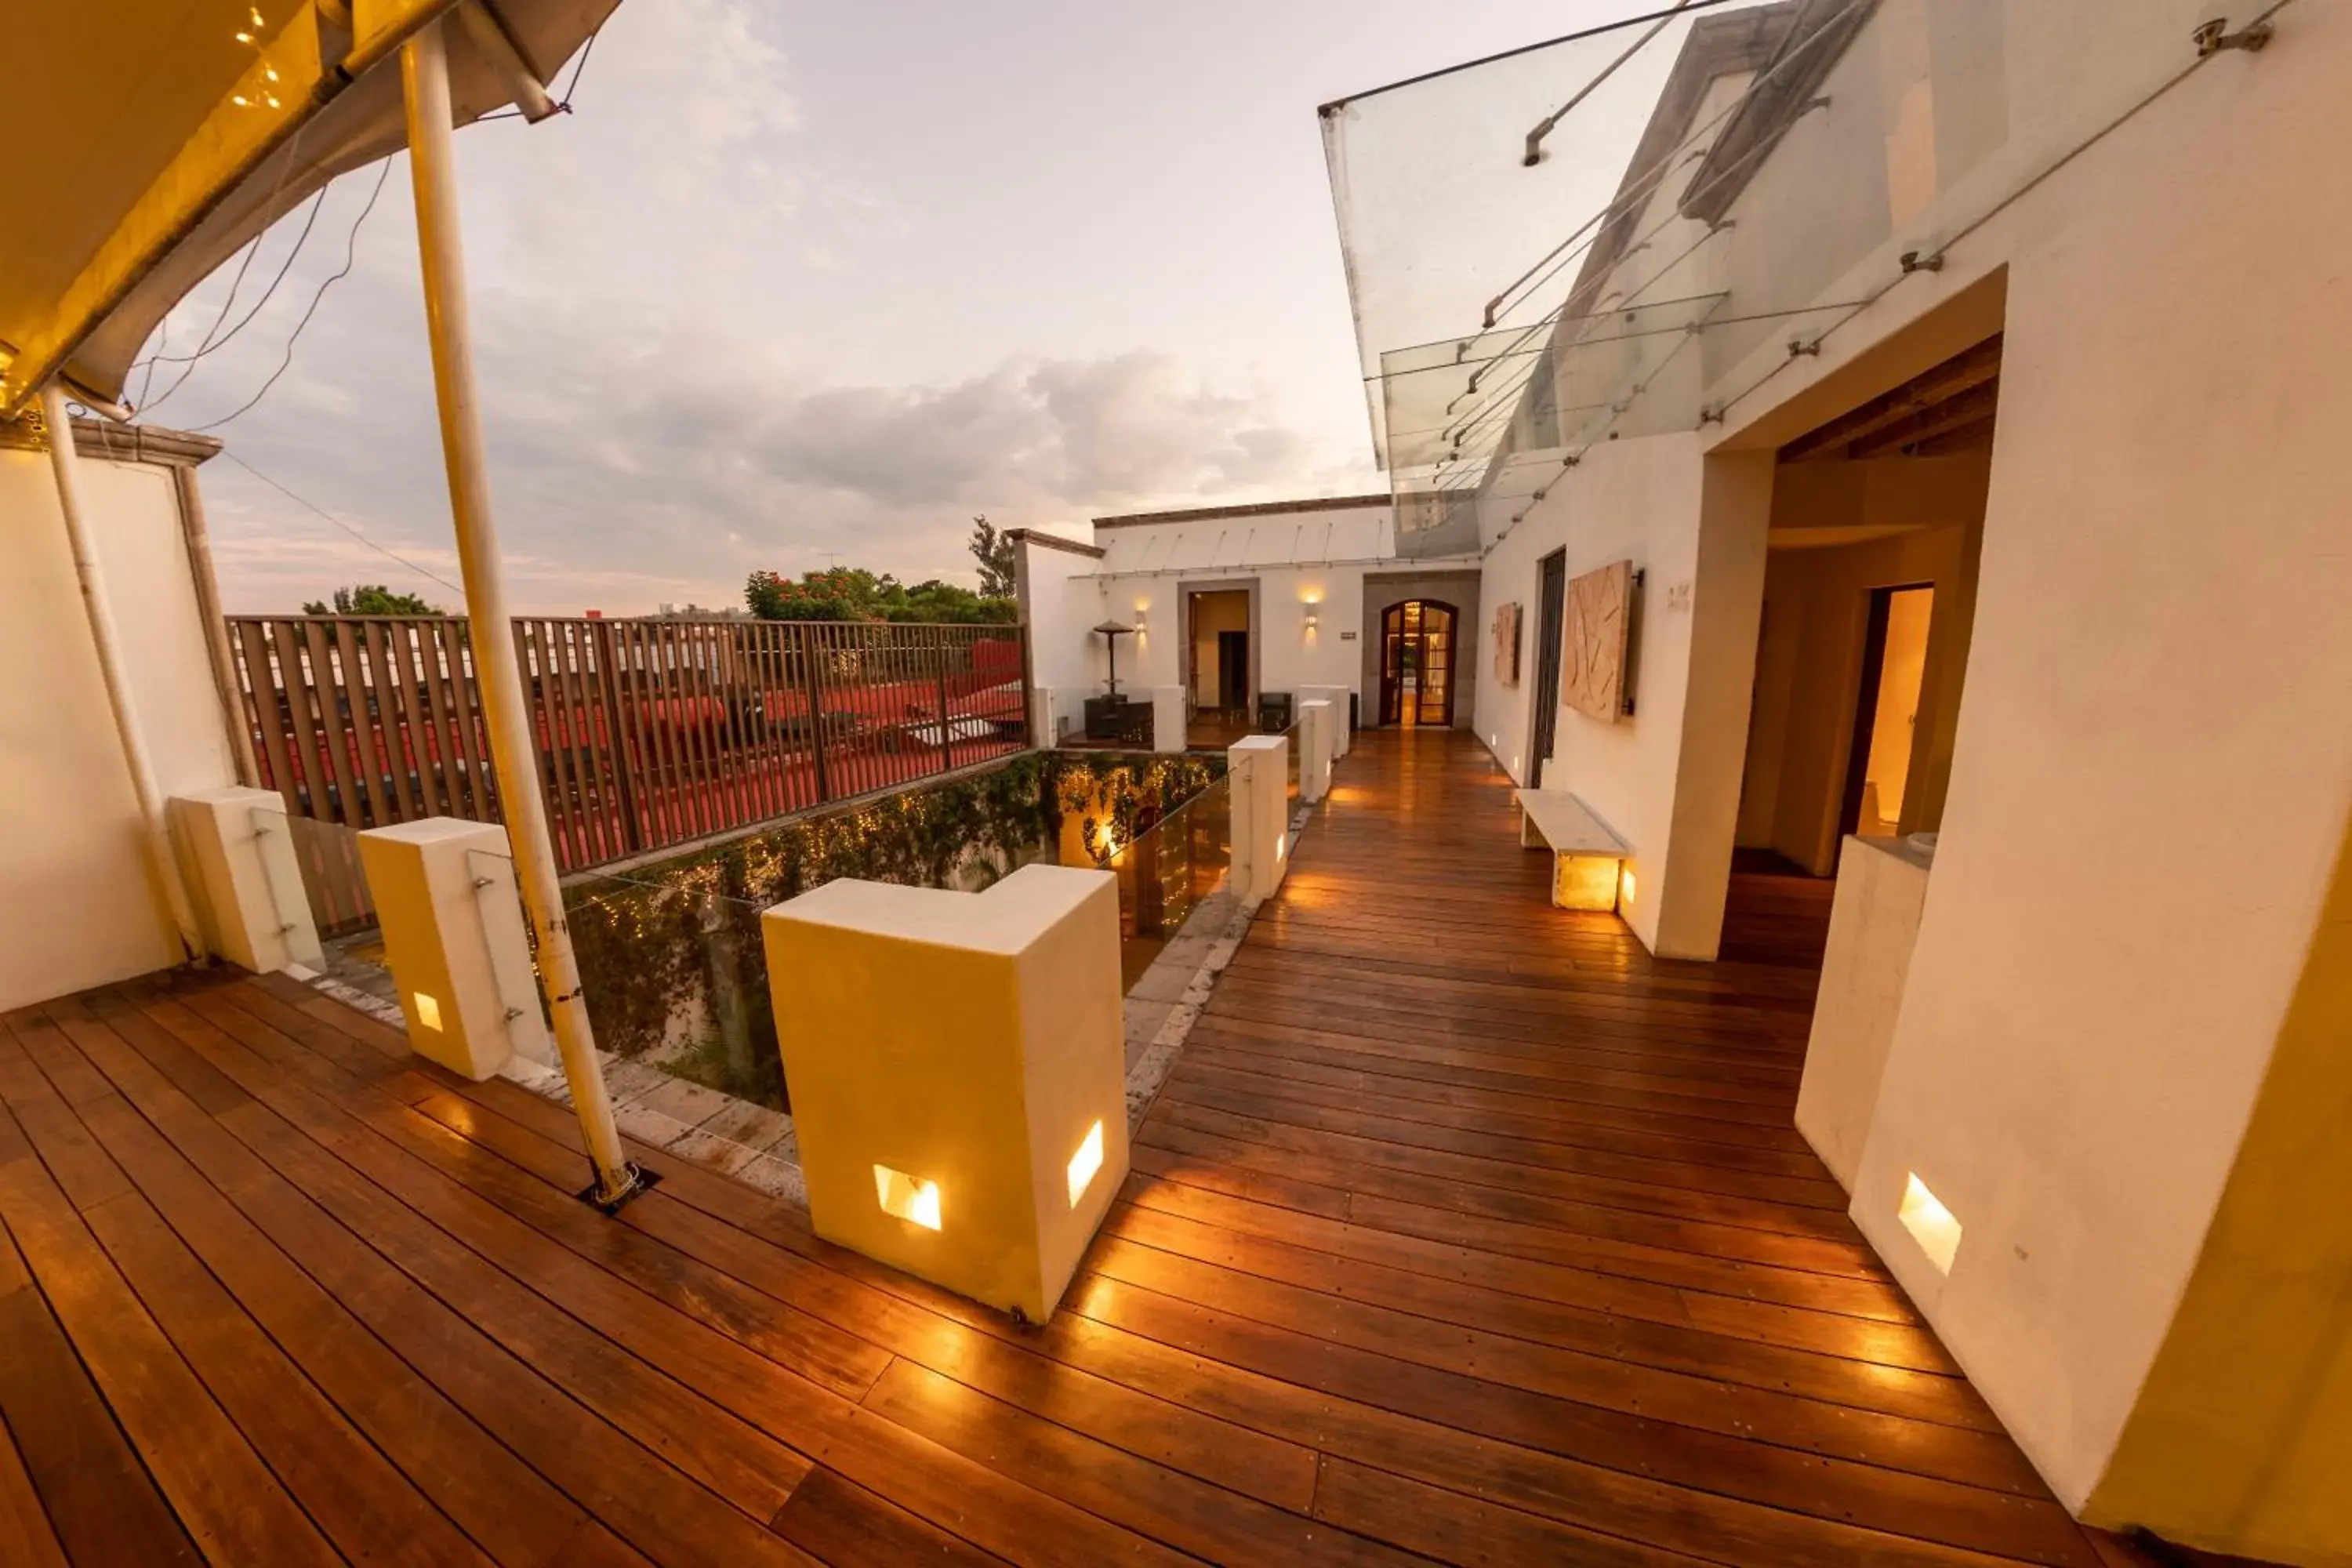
x=1586 y=855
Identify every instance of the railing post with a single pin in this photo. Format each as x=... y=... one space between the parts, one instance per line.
x=947 y=745
x=1029 y=695
x=806 y=637
x=616 y=742
x=1259 y=766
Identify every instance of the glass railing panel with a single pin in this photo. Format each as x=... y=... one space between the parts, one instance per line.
x=1167 y=872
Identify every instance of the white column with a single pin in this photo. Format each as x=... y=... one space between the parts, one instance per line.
x=1338 y=697
x=425 y=85
x=1261 y=820
x=1042 y=733
x=1168 y=718
x=66 y=464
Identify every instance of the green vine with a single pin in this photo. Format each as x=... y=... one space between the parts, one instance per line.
x=652 y=943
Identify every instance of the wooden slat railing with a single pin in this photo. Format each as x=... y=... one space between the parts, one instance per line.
x=651 y=732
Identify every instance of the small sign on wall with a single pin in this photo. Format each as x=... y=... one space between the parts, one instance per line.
x=1347 y=636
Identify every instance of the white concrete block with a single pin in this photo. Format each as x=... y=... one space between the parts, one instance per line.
x=1261 y=818
x=249 y=885
x=958 y=1073
x=454 y=936
x=1167 y=718
x=1882 y=887
x=1337 y=696
x=1315 y=725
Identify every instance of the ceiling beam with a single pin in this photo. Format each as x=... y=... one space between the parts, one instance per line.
x=1968 y=408
x=1964 y=371
x=1968 y=438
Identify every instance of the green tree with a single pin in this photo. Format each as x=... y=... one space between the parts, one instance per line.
x=993 y=549
x=373 y=599
x=854 y=594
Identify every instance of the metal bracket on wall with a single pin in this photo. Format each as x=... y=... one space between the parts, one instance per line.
x=2213 y=36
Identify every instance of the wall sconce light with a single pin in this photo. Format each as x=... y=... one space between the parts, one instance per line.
x=1625 y=887
x=907 y=1197
x=1310 y=618
x=1931 y=1225
x=428 y=1010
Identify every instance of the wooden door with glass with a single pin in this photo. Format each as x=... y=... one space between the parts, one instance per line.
x=1417 y=663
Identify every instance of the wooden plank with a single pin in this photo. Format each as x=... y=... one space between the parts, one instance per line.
x=366 y=735
x=96 y=1496
x=325 y=690
x=223 y=1493
x=562 y=648
x=496 y=1500
x=834 y=1517
x=389 y=729
x=464 y=717
x=26 y=1535
x=354 y=1495
x=619 y=770
x=551 y=774
x=263 y=696
x=428 y=755
x=514 y=1363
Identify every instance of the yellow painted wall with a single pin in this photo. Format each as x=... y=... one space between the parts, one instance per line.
x=2241 y=1439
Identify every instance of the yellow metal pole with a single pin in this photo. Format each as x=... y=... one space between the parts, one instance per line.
x=424 y=86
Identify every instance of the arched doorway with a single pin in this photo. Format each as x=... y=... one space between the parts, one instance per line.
x=1417 y=663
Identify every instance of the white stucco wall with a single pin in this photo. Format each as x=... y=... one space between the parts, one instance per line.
x=2153 y=755
x=1641 y=501
x=1312 y=562
x=2153 y=759
x=1060 y=603
x=81 y=907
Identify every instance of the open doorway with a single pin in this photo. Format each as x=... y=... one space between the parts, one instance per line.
x=1218 y=650
x=1551 y=621
x=1887 y=710
x=1870 y=585
x=1417 y=640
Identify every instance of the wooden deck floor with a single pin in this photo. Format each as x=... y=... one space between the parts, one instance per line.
x=1462 y=1231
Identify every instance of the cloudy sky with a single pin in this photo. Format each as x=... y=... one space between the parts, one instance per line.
x=798 y=282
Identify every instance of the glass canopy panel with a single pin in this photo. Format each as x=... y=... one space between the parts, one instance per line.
x=1720 y=188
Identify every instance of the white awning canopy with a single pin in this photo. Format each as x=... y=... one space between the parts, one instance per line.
x=160 y=135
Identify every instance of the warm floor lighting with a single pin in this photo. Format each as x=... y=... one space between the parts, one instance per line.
x=1931 y=1225
x=428 y=1011
x=907 y=1197
x=1085 y=1163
